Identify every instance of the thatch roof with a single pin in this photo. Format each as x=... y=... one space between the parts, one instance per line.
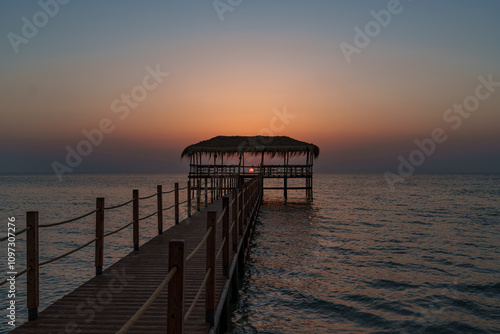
x=235 y=145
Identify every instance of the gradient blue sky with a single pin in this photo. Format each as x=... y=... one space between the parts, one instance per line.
x=227 y=77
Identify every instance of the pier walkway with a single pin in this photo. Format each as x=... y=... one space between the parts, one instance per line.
x=177 y=267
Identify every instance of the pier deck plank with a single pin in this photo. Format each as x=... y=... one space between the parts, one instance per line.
x=106 y=302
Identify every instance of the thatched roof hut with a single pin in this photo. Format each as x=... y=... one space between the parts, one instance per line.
x=253 y=145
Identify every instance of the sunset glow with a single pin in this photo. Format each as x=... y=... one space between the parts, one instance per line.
x=232 y=77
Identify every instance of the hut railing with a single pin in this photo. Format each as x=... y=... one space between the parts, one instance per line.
x=32 y=233
x=266 y=170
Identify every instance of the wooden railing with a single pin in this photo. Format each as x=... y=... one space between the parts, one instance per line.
x=245 y=199
x=32 y=231
x=265 y=170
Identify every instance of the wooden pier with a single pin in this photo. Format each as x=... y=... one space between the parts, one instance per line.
x=181 y=281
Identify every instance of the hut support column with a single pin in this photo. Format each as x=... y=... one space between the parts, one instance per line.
x=285 y=183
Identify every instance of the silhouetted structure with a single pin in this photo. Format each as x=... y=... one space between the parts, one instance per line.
x=237 y=146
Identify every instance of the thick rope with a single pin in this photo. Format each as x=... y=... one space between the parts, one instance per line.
x=154 y=213
x=66 y=254
x=17 y=275
x=220 y=249
x=119 y=205
x=221 y=216
x=17 y=233
x=67 y=221
x=146 y=197
x=118 y=230
x=193 y=304
x=170 y=207
x=131 y=322
x=190 y=256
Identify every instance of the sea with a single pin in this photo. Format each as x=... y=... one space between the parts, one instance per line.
x=357 y=258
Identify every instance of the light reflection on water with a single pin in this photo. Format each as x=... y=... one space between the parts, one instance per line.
x=361 y=259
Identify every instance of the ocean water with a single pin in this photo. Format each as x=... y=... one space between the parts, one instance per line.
x=359 y=258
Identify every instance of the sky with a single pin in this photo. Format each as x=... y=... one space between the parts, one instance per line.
x=364 y=80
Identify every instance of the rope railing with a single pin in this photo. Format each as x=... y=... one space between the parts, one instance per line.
x=170 y=207
x=146 y=197
x=16 y=234
x=119 y=205
x=197 y=297
x=217 y=190
x=131 y=322
x=67 y=221
x=221 y=216
x=118 y=230
x=232 y=226
x=16 y=276
x=220 y=249
x=66 y=254
x=197 y=248
x=154 y=213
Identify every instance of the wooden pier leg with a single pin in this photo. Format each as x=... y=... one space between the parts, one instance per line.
x=206 y=192
x=176 y=287
x=285 y=187
x=32 y=258
x=310 y=187
x=235 y=285
x=240 y=209
x=211 y=190
x=198 y=196
x=234 y=217
x=176 y=196
x=225 y=234
x=135 y=195
x=99 y=234
x=210 y=265
x=189 y=198
x=159 y=204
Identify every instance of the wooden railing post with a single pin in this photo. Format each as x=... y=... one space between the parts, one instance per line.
x=176 y=203
x=135 y=213
x=198 y=196
x=211 y=254
x=235 y=219
x=225 y=234
x=206 y=192
x=32 y=258
x=159 y=204
x=189 y=198
x=176 y=287
x=99 y=234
